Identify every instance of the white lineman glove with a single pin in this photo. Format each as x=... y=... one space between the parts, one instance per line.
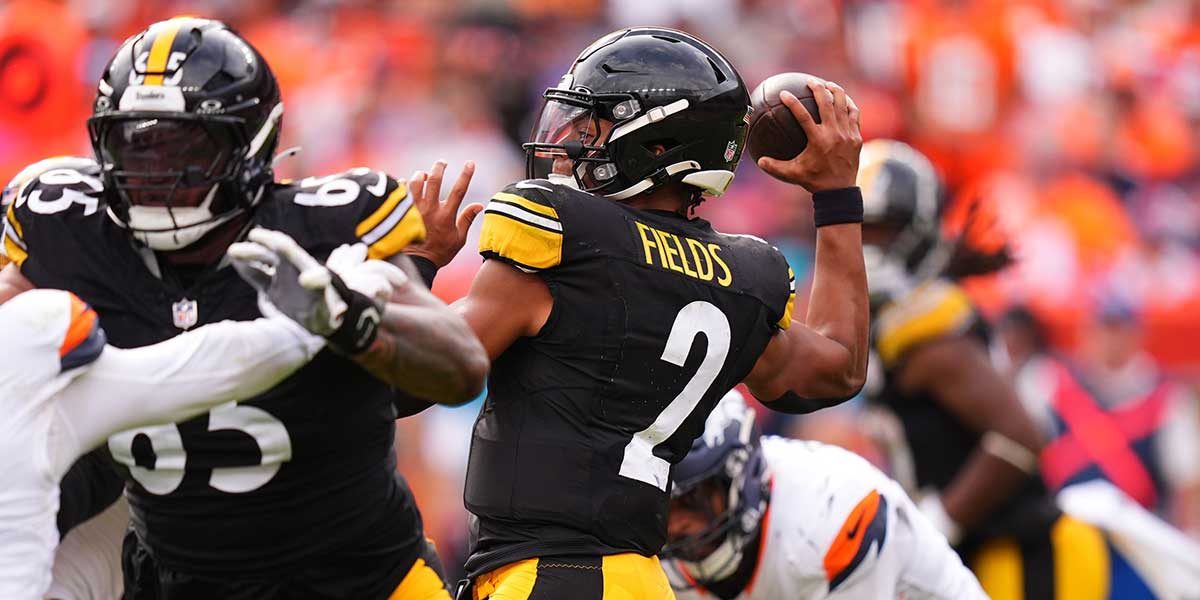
x=931 y=506
x=341 y=300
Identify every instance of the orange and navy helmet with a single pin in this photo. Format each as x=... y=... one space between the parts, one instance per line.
x=727 y=457
x=185 y=125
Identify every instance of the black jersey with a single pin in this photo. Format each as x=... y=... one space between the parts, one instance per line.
x=939 y=441
x=655 y=318
x=264 y=485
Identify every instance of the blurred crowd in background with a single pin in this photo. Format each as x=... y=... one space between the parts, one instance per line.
x=1075 y=123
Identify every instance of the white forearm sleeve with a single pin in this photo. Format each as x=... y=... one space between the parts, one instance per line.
x=181 y=377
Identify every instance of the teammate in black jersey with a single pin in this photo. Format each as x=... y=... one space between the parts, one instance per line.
x=615 y=321
x=972 y=447
x=292 y=493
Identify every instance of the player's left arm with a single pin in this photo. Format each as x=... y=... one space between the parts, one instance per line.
x=958 y=374
x=823 y=361
x=423 y=348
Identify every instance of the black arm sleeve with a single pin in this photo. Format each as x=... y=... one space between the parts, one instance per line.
x=426 y=268
x=408 y=405
x=792 y=404
x=90 y=486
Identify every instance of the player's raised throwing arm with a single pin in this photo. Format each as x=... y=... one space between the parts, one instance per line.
x=824 y=360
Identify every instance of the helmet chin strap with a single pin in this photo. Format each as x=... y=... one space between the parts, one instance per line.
x=167 y=229
x=647 y=183
x=178 y=239
x=566 y=180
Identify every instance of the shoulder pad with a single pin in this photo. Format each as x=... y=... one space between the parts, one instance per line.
x=48 y=189
x=44 y=332
x=786 y=320
x=35 y=170
x=383 y=215
x=932 y=310
x=522 y=226
x=778 y=290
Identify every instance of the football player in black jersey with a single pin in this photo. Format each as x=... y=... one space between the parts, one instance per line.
x=972 y=445
x=615 y=321
x=292 y=493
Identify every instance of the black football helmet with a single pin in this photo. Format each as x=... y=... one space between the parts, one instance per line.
x=634 y=89
x=185 y=124
x=901 y=189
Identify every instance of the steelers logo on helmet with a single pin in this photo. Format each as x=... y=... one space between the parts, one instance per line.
x=185 y=124
x=638 y=109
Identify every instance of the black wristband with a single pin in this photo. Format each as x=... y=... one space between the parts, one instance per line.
x=426 y=268
x=835 y=207
x=360 y=324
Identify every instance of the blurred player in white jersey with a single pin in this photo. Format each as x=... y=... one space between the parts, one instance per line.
x=63 y=391
x=786 y=518
x=87 y=563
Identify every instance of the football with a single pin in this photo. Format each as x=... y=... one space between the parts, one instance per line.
x=774 y=132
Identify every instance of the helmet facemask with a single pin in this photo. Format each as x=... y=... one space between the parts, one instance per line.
x=177 y=176
x=716 y=552
x=569 y=143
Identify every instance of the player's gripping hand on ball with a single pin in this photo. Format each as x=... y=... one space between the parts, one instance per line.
x=341 y=300
x=830 y=161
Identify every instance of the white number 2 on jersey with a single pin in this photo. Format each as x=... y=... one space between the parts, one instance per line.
x=274 y=443
x=640 y=463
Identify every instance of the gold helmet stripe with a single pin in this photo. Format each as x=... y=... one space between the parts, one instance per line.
x=160 y=51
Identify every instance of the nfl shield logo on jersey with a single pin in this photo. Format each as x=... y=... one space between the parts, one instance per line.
x=185 y=313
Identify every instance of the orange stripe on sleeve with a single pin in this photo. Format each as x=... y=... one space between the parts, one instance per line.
x=83 y=320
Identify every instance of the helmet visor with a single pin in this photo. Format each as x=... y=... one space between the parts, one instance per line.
x=166 y=160
x=561 y=122
x=568 y=139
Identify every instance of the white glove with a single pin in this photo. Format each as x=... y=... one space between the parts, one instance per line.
x=342 y=300
x=931 y=506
